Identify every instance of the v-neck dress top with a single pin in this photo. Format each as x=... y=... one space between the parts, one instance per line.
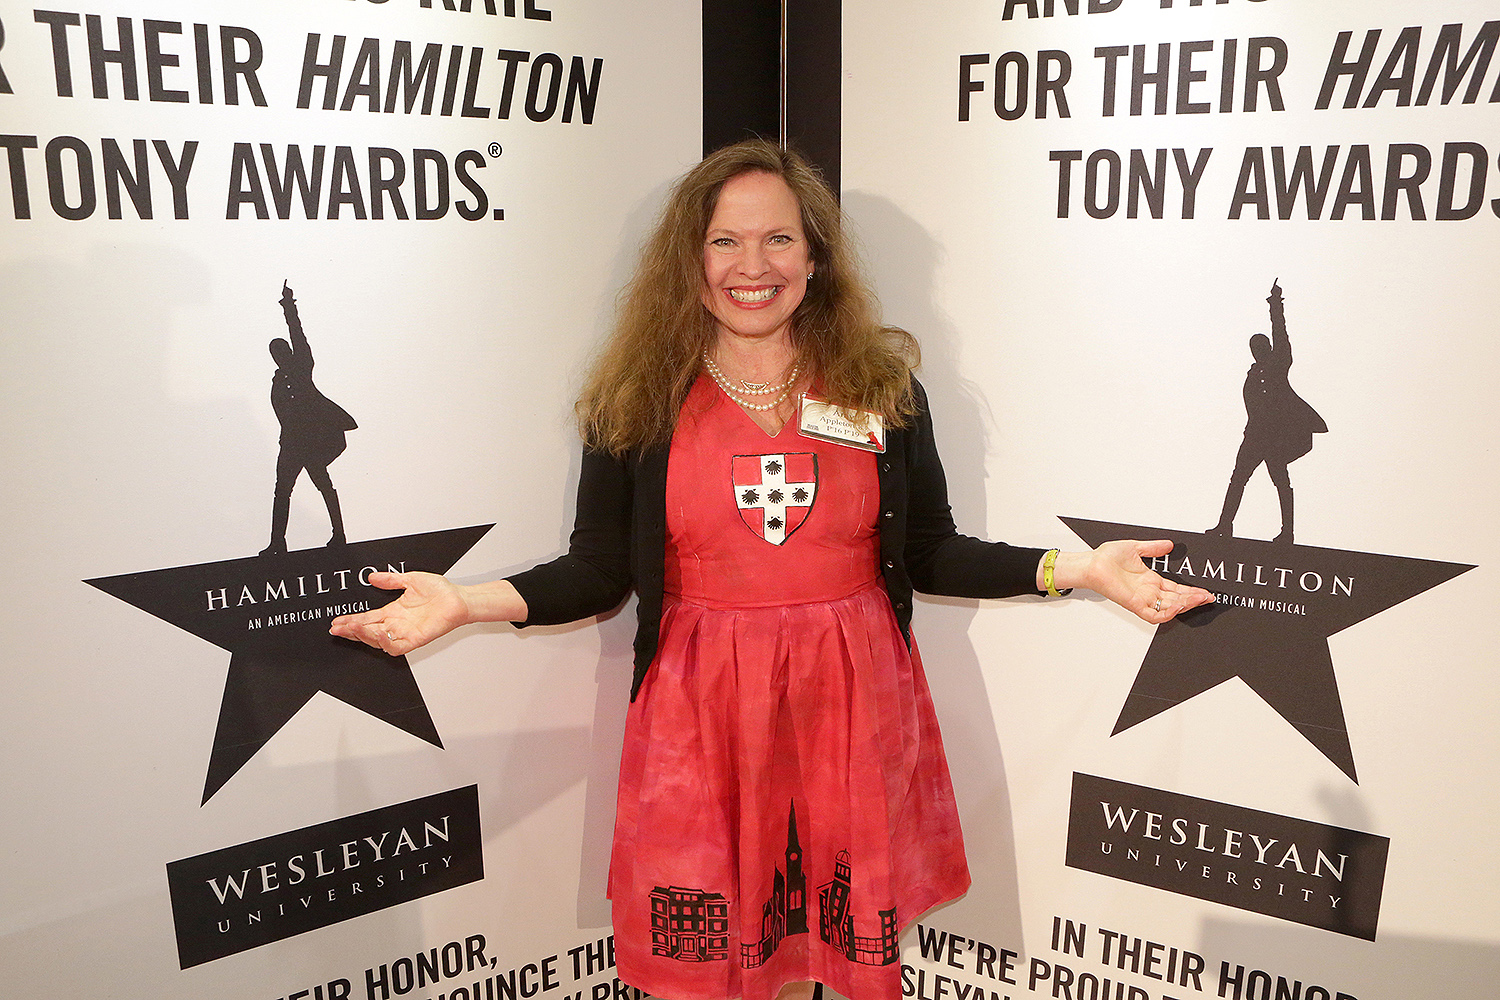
x=785 y=809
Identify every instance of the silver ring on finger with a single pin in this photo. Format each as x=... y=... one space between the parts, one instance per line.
x=1158 y=604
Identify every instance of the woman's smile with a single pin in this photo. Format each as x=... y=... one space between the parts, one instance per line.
x=754 y=297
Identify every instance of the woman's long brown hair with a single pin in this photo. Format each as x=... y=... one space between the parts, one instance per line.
x=637 y=384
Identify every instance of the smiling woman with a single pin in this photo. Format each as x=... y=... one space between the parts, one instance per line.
x=755 y=260
x=785 y=808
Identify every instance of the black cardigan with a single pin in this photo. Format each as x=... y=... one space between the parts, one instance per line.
x=620 y=536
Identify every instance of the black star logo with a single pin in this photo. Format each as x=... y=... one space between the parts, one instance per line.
x=1277 y=606
x=272 y=612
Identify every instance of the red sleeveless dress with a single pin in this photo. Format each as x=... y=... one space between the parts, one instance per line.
x=785 y=809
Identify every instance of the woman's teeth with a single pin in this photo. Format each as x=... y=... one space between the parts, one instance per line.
x=761 y=295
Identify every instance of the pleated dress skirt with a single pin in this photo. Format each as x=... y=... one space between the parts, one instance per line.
x=785 y=809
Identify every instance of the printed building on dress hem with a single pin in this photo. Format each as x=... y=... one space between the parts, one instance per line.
x=836 y=922
x=689 y=925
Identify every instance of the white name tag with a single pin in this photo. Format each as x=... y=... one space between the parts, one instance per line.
x=827 y=422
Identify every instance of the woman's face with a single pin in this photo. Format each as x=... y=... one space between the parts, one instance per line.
x=755 y=257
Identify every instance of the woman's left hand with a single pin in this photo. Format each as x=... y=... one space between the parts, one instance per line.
x=1118 y=571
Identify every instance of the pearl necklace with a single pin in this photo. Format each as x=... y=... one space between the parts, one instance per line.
x=753 y=388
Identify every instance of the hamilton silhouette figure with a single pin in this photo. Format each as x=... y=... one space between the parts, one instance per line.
x=312 y=429
x=1279 y=427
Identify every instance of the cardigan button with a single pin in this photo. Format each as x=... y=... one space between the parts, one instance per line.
x=900 y=605
x=885 y=466
x=889 y=514
x=890 y=564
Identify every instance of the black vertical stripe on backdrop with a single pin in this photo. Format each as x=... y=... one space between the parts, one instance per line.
x=741 y=71
x=741 y=76
x=814 y=73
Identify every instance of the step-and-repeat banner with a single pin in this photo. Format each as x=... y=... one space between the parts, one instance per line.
x=292 y=291
x=1114 y=224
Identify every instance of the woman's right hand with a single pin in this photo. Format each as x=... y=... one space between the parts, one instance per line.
x=431 y=607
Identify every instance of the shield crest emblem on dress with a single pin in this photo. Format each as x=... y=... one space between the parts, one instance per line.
x=774 y=493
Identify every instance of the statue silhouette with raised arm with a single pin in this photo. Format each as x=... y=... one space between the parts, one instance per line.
x=1279 y=427
x=312 y=429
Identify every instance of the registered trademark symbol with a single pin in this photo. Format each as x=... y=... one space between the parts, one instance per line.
x=495 y=149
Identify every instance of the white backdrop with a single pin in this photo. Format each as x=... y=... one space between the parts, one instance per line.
x=1091 y=367
x=1078 y=366
x=139 y=435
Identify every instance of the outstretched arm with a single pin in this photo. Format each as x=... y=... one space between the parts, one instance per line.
x=1118 y=571
x=941 y=561
x=300 y=346
x=593 y=576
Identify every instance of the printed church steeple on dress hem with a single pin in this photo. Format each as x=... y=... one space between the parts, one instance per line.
x=785 y=913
